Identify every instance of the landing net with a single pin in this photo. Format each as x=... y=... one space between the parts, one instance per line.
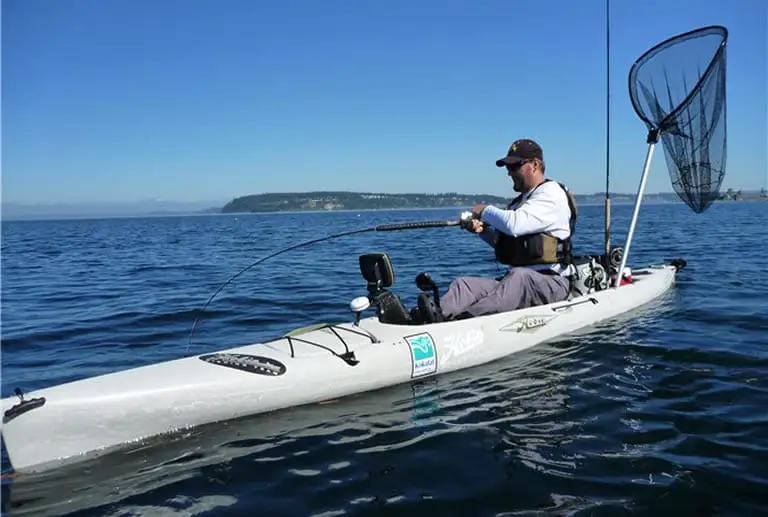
x=678 y=88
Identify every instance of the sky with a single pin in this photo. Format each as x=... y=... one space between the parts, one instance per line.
x=195 y=99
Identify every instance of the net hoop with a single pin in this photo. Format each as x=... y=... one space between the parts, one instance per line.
x=648 y=54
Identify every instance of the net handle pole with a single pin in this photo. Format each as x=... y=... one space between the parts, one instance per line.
x=653 y=138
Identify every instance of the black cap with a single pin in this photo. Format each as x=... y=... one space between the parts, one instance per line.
x=519 y=151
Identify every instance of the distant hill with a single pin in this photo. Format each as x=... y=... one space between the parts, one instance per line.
x=343 y=200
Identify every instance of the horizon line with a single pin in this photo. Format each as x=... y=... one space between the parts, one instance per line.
x=5 y=202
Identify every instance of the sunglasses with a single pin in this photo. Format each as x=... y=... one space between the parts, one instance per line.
x=517 y=166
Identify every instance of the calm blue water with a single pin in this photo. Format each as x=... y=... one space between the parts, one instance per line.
x=666 y=412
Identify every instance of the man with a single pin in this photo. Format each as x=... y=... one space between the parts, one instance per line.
x=532 y=235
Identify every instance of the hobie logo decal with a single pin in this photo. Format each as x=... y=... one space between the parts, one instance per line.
x=459 y=344
x=529 y=323
x=423 y=354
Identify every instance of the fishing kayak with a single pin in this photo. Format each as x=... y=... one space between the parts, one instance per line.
x=71 y=422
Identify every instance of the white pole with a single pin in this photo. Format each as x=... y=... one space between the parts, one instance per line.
x=641 y=188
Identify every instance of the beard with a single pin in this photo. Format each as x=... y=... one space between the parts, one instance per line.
x=517 y=185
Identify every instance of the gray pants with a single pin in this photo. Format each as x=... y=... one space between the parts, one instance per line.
x=520 y=288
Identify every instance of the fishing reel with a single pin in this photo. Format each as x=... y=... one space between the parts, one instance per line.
x=615 y=256
x=465 y=220
x=613 y=260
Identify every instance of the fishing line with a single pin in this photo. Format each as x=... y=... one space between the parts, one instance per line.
x=378 y=228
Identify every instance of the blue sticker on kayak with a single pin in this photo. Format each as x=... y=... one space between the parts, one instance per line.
x=423 y=354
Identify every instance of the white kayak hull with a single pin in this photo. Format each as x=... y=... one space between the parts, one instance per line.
x=98 y=414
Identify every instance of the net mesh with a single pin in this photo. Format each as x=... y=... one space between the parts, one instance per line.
x=678 y=87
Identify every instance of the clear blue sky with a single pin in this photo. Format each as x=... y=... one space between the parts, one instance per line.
x=202 y=99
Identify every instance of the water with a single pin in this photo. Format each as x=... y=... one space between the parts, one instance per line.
x=665 y=412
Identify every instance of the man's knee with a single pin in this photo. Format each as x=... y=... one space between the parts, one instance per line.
x=458 y=283
x=532 y=288
x=463 y=292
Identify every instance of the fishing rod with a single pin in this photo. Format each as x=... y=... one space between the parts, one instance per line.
x=463 y=221
x=607 y=129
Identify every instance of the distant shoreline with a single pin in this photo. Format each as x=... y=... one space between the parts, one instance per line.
x=317 y=202
x=211 y=212
x=344 y=200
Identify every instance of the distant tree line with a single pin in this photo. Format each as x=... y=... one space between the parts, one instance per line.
x=343 y=200
x=322 y=200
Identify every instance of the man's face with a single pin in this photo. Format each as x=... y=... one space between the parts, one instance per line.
x=520 y=174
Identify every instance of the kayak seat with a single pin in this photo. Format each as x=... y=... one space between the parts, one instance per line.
x=377 y=270
x=390 y=309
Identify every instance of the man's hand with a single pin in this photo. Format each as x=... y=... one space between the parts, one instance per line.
x=478 y=210
x=476 y=226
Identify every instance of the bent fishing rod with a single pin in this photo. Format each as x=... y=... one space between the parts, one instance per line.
x=464 y=221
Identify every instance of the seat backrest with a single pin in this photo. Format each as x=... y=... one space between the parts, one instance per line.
x=377 y=270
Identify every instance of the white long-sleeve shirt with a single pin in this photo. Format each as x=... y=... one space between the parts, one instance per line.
x=545 y=209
